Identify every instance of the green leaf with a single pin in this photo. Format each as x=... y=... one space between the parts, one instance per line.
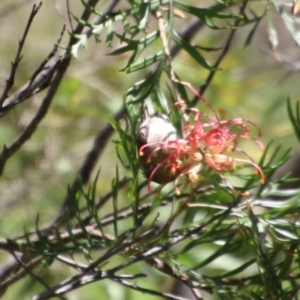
x=191 y=51
x=142 y=97
x=149 y=81
x=145 y=10
x=289 y=21
x=206 y=14
x=160 y=99
x=42 y=239
x=115 y=190
x=81 y=22
x=81 y=43
x=291 y=26
x=49 y=260
x=294 y=117
x=90 y=8
x=123 y=50
x=110 y=34
x=253 y=30
x=272 y=33
x=138 y=46
x=144 y=63
x=288 y=234
x=87 y=254
x=237 y=270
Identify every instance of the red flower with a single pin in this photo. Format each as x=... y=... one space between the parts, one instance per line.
x=204 y=144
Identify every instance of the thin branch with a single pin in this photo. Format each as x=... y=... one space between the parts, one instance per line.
x=71 y=284
x=35 y=277
x=8 y=151
x=52 y=240
x=39 y=80
x=226 y=48
x=80 y=280
x=47 y=59
x=155 y=250
x=135 y=287
x=167 y=52
x=122 y=244
x=10 y=277
x=86 y=277
x=69 y=15
x=14 y=65
x=163 y=267
x=71 y=263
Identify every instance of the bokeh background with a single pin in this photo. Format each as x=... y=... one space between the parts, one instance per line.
x=252 y=84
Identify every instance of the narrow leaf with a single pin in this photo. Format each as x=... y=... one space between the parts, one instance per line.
x=144 y=63
x=191 y=51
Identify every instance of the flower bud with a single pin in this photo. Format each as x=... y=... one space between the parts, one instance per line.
x=154 y=131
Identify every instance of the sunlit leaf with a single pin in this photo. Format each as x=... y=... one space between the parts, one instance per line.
x=144 y=63
x=192 y=51
x=205 y=14
x=272 y=33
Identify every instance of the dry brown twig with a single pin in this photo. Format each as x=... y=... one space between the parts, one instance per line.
x=14 y=65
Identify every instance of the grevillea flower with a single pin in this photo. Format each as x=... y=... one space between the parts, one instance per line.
x=207 y=142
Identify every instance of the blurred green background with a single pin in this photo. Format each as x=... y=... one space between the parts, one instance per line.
x=252 y=84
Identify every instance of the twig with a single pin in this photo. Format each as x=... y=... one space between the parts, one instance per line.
x=8 y=151
x=35 y=277
x=52 y=240
x=155 y=250
x=167 y=52
x=14 y=65
x=163 y=267
x=71 y=284
x=226 y=48
x=71 y=263
x=80 y=280
x=121 y=245
x=69 y=15
x=148 y=291
x=50 y=55
x=35 y=85
x=10 y=278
